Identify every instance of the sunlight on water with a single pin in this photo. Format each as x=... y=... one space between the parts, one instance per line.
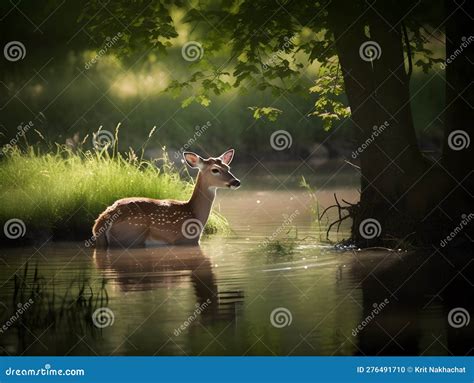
x=232 y=295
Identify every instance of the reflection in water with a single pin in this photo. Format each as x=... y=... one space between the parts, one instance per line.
x=159 y=296
x=421 y=289
x=165 y=267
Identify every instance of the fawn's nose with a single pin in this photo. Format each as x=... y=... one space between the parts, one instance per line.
x=234 y=184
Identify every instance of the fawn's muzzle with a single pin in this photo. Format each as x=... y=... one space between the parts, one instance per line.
x=234 y=184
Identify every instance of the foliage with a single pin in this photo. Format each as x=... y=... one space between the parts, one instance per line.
x=270 y=113
x=61 y=192
x=143 y=23
x=329 y=87
x=267 y=45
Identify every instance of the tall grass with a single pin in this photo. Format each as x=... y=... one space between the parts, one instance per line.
x=314 y=205
x=61 y=192
x=45 y=307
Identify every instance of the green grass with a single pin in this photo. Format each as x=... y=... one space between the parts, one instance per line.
x=61 y=193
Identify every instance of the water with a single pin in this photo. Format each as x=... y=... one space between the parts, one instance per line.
x=232 y=296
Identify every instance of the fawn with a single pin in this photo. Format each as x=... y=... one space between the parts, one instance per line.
x=139 y=222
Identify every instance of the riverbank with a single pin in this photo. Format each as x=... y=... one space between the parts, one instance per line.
x=57 y=195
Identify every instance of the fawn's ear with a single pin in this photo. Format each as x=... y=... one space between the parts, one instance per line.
x=192 y=159
x=227 y=156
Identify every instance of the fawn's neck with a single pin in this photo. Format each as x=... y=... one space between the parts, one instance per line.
x=202 y=199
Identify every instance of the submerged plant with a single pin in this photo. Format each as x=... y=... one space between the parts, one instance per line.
x=284 y=245
x=37 y=305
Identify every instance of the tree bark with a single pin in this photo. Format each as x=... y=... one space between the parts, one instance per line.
x=457 y=158
x=393 y=171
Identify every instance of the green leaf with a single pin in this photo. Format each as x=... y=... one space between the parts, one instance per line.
x=187 y=101
x=270 y=113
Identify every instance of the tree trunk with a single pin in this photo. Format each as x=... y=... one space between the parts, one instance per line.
x=402 y=193
x=394 y=174
x=459 y=113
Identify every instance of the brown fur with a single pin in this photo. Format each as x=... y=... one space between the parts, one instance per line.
x=136 y=222
x=144 y=217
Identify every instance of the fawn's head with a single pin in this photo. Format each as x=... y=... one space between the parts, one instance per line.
x=215 y=172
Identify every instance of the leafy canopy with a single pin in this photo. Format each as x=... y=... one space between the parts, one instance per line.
x=274 y=46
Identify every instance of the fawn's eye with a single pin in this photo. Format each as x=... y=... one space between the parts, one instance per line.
x=215 y=171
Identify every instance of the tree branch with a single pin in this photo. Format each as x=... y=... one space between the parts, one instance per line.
x=407 y=43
